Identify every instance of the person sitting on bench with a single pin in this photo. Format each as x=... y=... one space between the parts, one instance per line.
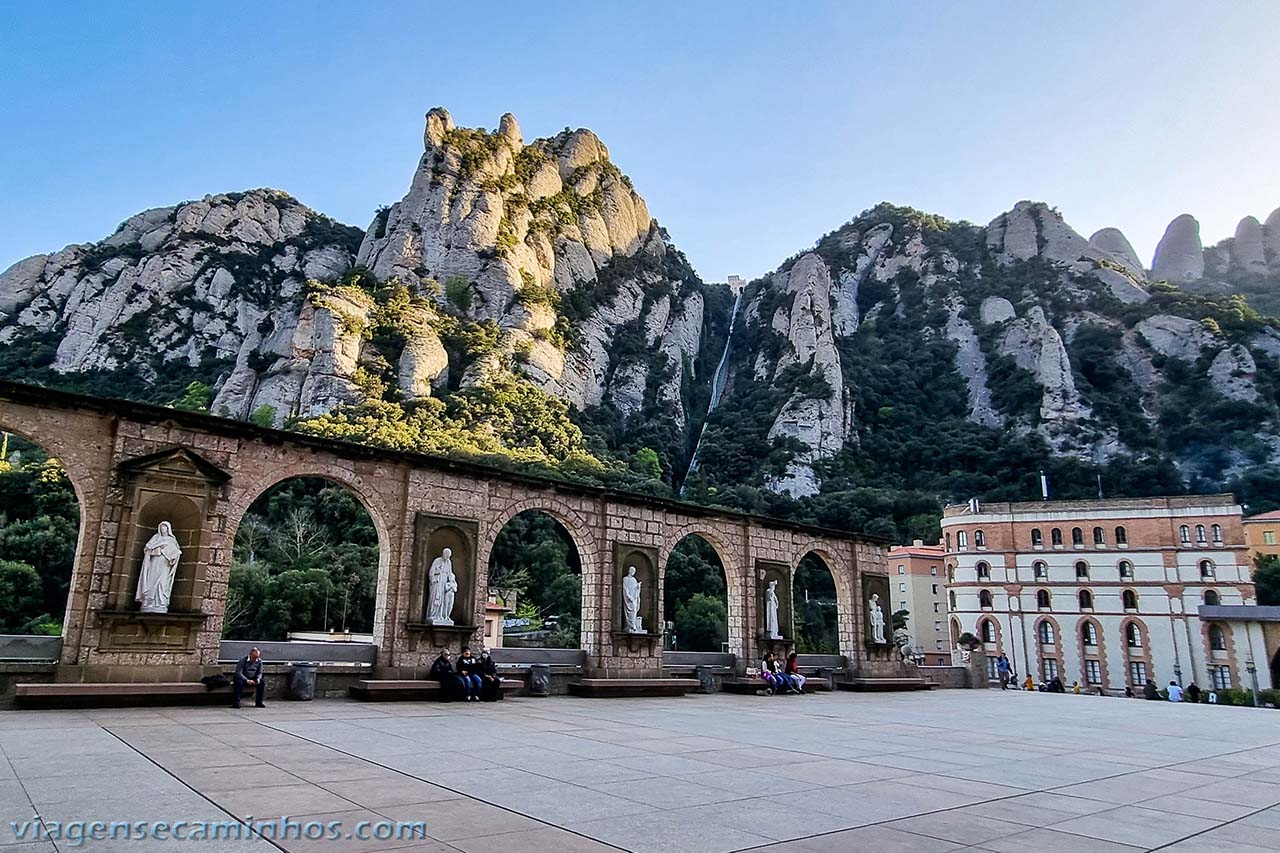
x=490 y=681
x=792 y=672
x=469 y=672
x=772 y=675
x=450 y=682
x=249 y=671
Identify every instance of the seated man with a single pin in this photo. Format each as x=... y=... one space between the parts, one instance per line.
x=249 y=671
x=469 y=672
x=490 y=681
x=442 y=671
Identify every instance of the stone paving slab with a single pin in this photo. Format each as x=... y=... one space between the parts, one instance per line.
x=940 y=771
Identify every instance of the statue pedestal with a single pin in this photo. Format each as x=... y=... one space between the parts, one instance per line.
x=777 y=645
x=442 y=635
x=635 y=641
x=136 y=631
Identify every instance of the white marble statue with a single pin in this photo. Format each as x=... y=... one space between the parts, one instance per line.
x=159 y=567
x=632 y=622
x=442 y=586
x=876 y=615
x=771 y=611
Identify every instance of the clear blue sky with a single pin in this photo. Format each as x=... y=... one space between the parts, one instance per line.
x=750 y=128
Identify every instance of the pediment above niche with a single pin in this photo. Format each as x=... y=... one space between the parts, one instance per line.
x=178 y=463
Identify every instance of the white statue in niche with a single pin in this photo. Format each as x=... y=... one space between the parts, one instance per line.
x=442 y=586
x=876 y=615
x=771 y=611
x=159 y=568
x=632 y=623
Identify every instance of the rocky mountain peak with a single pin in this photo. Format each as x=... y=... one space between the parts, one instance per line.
x=1113 y=242
x=1179 y=255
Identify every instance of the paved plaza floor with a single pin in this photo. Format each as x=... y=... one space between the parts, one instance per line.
x=844 y=772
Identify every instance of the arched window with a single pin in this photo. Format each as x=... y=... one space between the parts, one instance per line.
x=1122 y=536
x=951 y=596
x=1046 y=632
x=979 y=539
x=1130 y=599
x=1211 y=597
x=1077 y=537
x=1184 y=535
x=962 y=540
x=1207 y=570
x=984 y=570
x=984 y=599
x=1086 y=600
x=1126 y=569
x=1042 y=599
x=988 y=629
x=1200 y=540
x=1132 y=635
x=1041 y=569
x=1037 y=539
x=951 y=574
x=1082 y=570
x=948 y=540
x=1089 y=634
x=1055 y=536
x=1217 y=534
x=1217 y=638
x=1098 y=537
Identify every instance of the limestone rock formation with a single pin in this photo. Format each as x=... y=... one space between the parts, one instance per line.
x=1175 y=337
x=1232 y=373
x=821 y=420
x=1113 y=242
x=1270 y=240
x=1246 y=248
x=1036 y=346
x=970 y=361
x=1179 y=255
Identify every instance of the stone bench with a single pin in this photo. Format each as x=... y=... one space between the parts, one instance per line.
x=873 y=685
x=601 y=688
x=754 y=684
x=390 y=690
x=118 y=694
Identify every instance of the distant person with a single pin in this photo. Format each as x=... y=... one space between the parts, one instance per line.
x=1150 y=691
x=1075 y=687
x=1055 y=686
x=490 y=681
x=1003 y=668
x=792 y=672
x=1193 y=692
x=1213 y=697
x=1128 y=692
x=1030 y=685
x=469 y=672
x=442 y=671
x=1175 y=692
x=249 y=673
x=780 y=675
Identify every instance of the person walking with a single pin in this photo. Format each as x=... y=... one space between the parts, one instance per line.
x=1003 y=668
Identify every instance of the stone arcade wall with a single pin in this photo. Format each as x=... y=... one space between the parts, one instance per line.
x=132 y=465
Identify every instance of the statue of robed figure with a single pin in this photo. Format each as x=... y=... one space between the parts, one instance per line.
x=442 y=586
x=159 y=568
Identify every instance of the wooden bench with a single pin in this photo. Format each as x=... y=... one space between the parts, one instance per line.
x=873 y=685
x=389 y=690
x=118 y=694
x=602 y=688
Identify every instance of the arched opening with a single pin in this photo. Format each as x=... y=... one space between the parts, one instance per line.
x=1041 y=569
x=535 y=570
x=984 y=570
x=987 y=631
x=39 y=529
x=1055 y=536
x=1086 y=599
x=694 y=597
x=1122 y=536
x=1211 y=597
x=1126 y=569
x=305 y=562
x=1037 y=541
x=1043 y=600
x=984 y=599
x=814 y=597
x=1089 y=633
x=1207 y=570
x=1129 y=599
x=1217 y=638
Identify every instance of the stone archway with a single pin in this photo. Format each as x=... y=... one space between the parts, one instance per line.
x=694 y=582
x=815 y=596
x=535 y=556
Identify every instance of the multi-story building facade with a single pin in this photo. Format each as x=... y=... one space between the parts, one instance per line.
x=1105 y=592
x=918 y=580
x=1262 y=533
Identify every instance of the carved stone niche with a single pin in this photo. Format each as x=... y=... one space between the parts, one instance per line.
x=767 y=571
x=432 y=534
x=178 y=486
x=645 y=561
x=878 y=585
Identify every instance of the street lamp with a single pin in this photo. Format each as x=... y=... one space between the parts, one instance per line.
x=1177 y=673
x=1253 y=679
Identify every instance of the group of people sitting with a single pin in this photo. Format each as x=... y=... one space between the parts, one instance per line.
x=471 y=679
x=781 y=677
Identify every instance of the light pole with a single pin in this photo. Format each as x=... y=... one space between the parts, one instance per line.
x=1177 y=674
x=1253 y=679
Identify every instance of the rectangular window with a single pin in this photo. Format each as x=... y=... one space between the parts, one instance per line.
x=992 y=672
x=935 y=589
x=1049 y=666
x=902 y=570
x=902 y=587
x=1269 y=537
x=937 y=626
x=1093 y=672
x=937 y=644
x=902 y=605
x=1137 y=673
x=933 y=570
x=937 y=607
x=1221 y=677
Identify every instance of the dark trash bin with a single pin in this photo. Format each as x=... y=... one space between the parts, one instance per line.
x=302 y=681
x=539 y=679
x=706 y=679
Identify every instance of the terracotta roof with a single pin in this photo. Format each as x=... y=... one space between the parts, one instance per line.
x=1274 y=515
